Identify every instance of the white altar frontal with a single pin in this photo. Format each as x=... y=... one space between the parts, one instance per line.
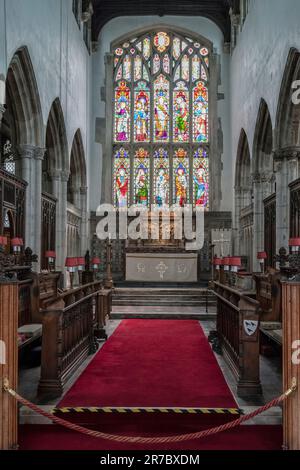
x=161 y=267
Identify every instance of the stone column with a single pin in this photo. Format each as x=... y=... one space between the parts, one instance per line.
x=237 y=225
x=259 y=189
x=215 y=132
x=84 y=221
x=31 y=159
x=286 y=165
x=107 y=157
x=60 y=185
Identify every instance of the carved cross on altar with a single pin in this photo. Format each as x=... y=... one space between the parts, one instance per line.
x=161 y=268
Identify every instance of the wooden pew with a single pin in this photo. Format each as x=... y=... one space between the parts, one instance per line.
x=269 y=296
x=238 y=333
x=69 y=323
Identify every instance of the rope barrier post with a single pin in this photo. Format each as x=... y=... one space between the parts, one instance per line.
x=9 y=294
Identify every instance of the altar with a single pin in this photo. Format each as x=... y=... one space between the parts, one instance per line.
x=161 y=267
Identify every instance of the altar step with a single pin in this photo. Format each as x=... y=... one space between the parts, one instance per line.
x=188 y=303
x=159 y=313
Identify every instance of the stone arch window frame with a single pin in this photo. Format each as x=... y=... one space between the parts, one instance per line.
x=264 y=185
x=243 y=193
x=77 y=210
x=215 y=166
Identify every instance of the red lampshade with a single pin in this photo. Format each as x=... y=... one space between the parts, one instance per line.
x=17 y=242
x=80 y=261
x=218 y=261
x=3 y=241
x=294 y=242
x=236 y=261
x=50 y=254
x=262 y=255
x=71 y=263
x=96 y=261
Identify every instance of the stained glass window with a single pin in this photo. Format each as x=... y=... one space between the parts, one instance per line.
x=181 y=113
x=201 y=179
x=161 y=120
x=137 y=68
x=161 y=109
x=122 y=113
x=181 y=177
x=161 y=178
x=121 y=178
x=200 y=118
x=141 y=177
x=141 y=113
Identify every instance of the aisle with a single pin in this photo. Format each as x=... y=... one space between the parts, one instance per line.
x=151 y=363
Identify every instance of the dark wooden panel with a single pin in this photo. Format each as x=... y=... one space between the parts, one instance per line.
x=295 y=210
x=270 y=229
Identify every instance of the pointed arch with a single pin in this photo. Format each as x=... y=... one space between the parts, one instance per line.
x=264 y=185
x=243 y=164
x=56 y=157
x=243 y=200
x=78 y=178
x=288 y=113
x=77 y=219
x=23 y=100
x=263 y=142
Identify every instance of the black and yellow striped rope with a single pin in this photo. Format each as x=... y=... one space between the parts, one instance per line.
x=137 y=410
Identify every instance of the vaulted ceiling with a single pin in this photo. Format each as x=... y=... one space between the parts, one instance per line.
x=215 y=10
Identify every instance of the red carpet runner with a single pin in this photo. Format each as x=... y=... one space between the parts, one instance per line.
x=158 y=363
x=153 y=363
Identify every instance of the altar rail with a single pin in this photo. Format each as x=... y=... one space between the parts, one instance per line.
x=238 y=332
x=69 y=323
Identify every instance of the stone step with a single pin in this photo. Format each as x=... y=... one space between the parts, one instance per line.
x=158 y=312
x=178 y=302
x=162 y=296
x=159 y=291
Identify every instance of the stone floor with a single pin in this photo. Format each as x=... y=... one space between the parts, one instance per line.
x=270 y=378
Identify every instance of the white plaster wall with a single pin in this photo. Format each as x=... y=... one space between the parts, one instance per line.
x=60 y=59
x=127 y=25
x=258 y=62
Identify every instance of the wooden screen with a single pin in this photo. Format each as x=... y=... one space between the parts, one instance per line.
x=12 y=203
x=48 y=227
